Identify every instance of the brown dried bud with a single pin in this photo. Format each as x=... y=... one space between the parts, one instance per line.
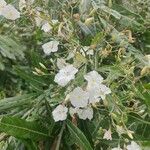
x=76 y=17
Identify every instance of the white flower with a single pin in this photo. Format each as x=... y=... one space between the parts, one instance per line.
x=10 y=12
x=73 y=111
x=46 y=27
x=95 y=87
x=61 y=63
x=65 y=75
x=85 y=113
x=2 y=5
x=79 y=98
x=49 y=47
x=98 y=92
x=104 y=90
x=133 y=146
x=107 y=135
x=94 y=95
x=60 y=113
x=93 y=78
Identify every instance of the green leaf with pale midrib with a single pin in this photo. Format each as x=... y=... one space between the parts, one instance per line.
x=22 y=129
x=10 y=48
x=35 y=81
x=79 y=137
x=36 y=132
x=9 y=103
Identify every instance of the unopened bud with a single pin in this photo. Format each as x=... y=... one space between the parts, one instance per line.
x=88 y=21
x=76 y=17
x=43 y=66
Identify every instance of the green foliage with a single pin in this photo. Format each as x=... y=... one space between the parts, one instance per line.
x=21 y=128
x=117 y=32
x=10 y=49
x=78 y=136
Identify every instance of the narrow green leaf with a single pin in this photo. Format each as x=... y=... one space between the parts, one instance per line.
x=10 y=48
x=9 y=103
x=79 y=137
x=98 y=38
x=30 y=145
x=138 y=118
x=36 y=81
x=21 y=128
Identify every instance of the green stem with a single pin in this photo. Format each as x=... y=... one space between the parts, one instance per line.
x=60 y=136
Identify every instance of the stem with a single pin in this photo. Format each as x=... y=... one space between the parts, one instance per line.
x=96 y=61
x=60 y=136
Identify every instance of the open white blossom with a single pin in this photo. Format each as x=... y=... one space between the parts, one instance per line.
x=79 y=98
x=49 y=47
x=94 y=95
x=10 y=12
x=96 y=89
x=93 y=78
x=104 y=90
x=60 y=113
x=85 y=113
x=133 y=146
x=46 y=27
x=107 y=135
x=97 y=93
x=2 y=5
x=65 y=75
x=73 y=111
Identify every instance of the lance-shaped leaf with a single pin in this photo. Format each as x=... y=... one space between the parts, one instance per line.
x=78 y=136
x=10 y=48
x=23 y=129
x=14 y=102
x=35 y=81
